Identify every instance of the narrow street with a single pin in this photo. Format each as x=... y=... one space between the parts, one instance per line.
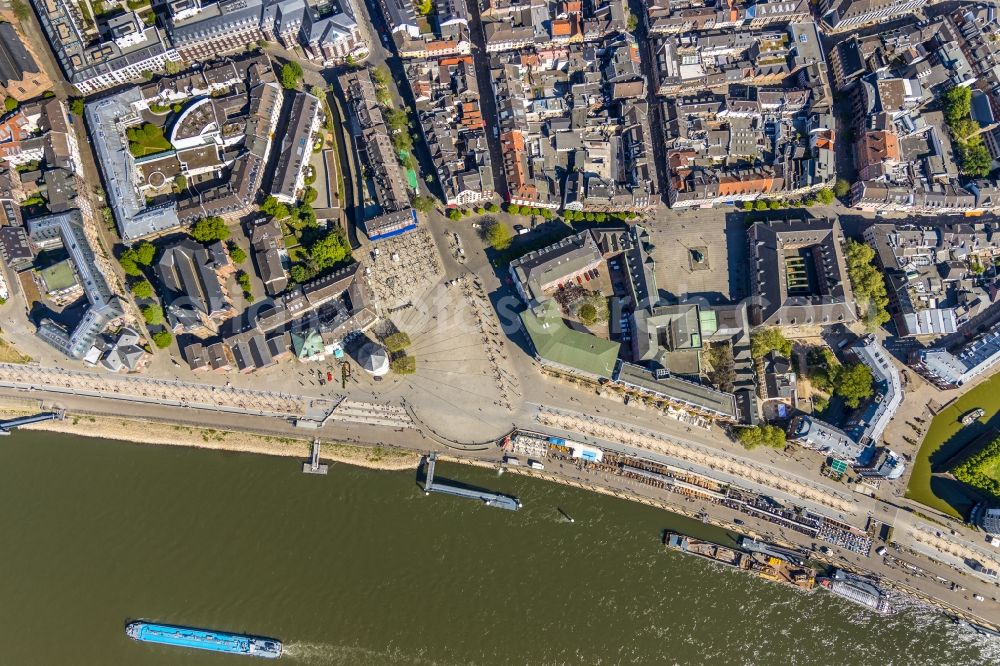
x=487 y=99
x=654 y=104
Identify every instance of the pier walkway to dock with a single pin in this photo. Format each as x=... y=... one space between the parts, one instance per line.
x=314 y=466
x=7 y=426
x=486 y=497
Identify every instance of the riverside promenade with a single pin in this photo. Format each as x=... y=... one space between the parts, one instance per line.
x=191 y=395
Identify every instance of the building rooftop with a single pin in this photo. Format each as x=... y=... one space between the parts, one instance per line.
x=537 y=270
x=825 y=438
x=296 y=146
x=83 y=59
x=68 y=228
x=107 y=119
x=680 y=391
x=15 y=61
x=798 y=275
x=871 y=420
x=557 y=343
x=188 y=273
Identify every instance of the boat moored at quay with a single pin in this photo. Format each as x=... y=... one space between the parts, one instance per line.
x=204 y=639
x=860 y=590
x=766 y=561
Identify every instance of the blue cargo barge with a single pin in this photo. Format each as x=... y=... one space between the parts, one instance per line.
x=201 y=639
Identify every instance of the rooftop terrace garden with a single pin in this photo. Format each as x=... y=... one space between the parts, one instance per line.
x=147 y=139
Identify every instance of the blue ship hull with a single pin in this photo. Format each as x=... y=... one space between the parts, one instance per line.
x=202 y=639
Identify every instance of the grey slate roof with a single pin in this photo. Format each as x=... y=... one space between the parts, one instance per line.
x=104 y=305
x=107 y=119
x=15 y=61
x=830 y=300
x=186 y=271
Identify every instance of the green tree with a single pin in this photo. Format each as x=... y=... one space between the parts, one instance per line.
x=760 y=205
x=762 y=435
x=180 y=183
x=957 y=104
x=243 y=279
x=964 y=129
x=307 y=216
x=153 y=314
x=425 y=7
x=274 y=208
x=497 y=235
x=76 y=106
x=977 y=470
x=172 y=67
x=237 y=254
x=454 y=214
x=854 y=383
x=128 y=264
x=869 y=287
x=309 y=195
x=492 y=207
x=774 y=204
x=397 y=342
x=381 y=76
x=825 y=196
x=513 y=209
x=587 y=314
x=133 y=258
x=210 y=229
x=162 y=339
x=841 y=188
x=143 y=289
x=9 y=104
x=329 y=251
x=632 y=22
x=423 y=203
x=403 y=365
x=21 y=10
x=299 y=273
x=480 y=210
x=291 y=75
x=766 y=340
x=402 y=142
x=397 y=119
x=144 y=253
x=822 y=368
x=975 y=159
